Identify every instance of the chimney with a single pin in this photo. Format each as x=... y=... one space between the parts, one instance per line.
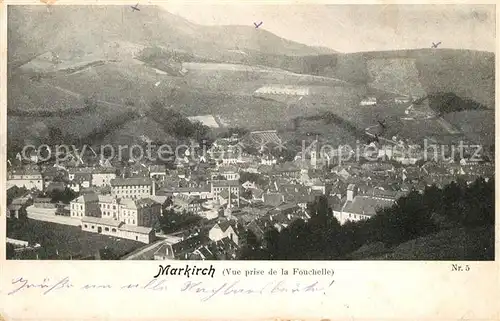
x=153 y=188
x=351 y=192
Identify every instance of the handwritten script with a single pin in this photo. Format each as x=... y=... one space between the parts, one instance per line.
x=203 y=289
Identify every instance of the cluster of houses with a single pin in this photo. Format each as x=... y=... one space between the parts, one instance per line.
x=234 y=192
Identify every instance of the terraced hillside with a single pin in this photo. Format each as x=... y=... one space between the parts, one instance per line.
x=199 y=70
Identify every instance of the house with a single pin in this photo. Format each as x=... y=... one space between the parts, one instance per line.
x=368 y=101
x=251 y=168
x=127 y=218
x=158 y=172
x=402 y=100
x=187 y=203
x=179 y=250
x=17 y=208
x=85 y=205
x=109 y=206
x=28 y=178
x=228 y=172
x=134 y=188
x=116 y=228
x=268 y=160
x=273 y=199
x=222 y=230
x=223 y=249
x=249 y=185
x=256 y=229
x=226 y=199
x=287 y=169
x=233 y=186
x=100 y=176
x=257 y=194
x=201 y=192
x=317 y=185
x=286 y=209
x=80 y=181
x=139 y=212
x=279 y=89
x=360 y=207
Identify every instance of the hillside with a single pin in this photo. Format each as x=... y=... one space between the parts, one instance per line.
x=467 y=244
x=109 y=28
x=466 y=73
x=126 y=60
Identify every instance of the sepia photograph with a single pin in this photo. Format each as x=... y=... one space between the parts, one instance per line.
x=206 y=132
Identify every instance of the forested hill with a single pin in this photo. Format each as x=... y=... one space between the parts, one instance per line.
x=456 y=222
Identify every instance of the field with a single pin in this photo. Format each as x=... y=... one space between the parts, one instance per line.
x=62 y=241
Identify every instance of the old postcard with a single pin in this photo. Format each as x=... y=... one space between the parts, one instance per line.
x=248 y=160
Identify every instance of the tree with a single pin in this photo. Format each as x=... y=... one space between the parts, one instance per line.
x=412 y=216
x=171 y=221
x=10 y=251
x=168 y=202
x=65 y=196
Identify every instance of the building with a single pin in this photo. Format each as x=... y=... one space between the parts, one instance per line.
x=249 y=185
x=222 y=230
x=137 y=187
x=231 y=186
x=202 y=192
x=115 y=228
x=142 y=212
x=188 y=204
x=402 y=100
x=85 y=205
x=29 y=179
x=158 y=172
x=127 y=218
x=368 y=101
x=99 y=176
x=175 y=250
x=228 y=172
x=360 y=207
x=287 y=170
x=80 y=181
x=17 y=208
x=109 y=207
x=102 y=176
x=279 y=89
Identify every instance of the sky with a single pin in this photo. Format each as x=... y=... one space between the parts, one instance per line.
x=353 y=28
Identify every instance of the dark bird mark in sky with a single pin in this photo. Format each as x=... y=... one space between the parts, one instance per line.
x=257 y=25
x=135 y=8
x=435 y=45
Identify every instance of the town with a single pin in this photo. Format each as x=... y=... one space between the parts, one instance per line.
x=209 y=204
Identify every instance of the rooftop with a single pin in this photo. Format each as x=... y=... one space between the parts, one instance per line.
x=130 y=181
x=225 y=183
x=85 y=198
x=100 y=220
x=366 y=205
x=136 y=229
